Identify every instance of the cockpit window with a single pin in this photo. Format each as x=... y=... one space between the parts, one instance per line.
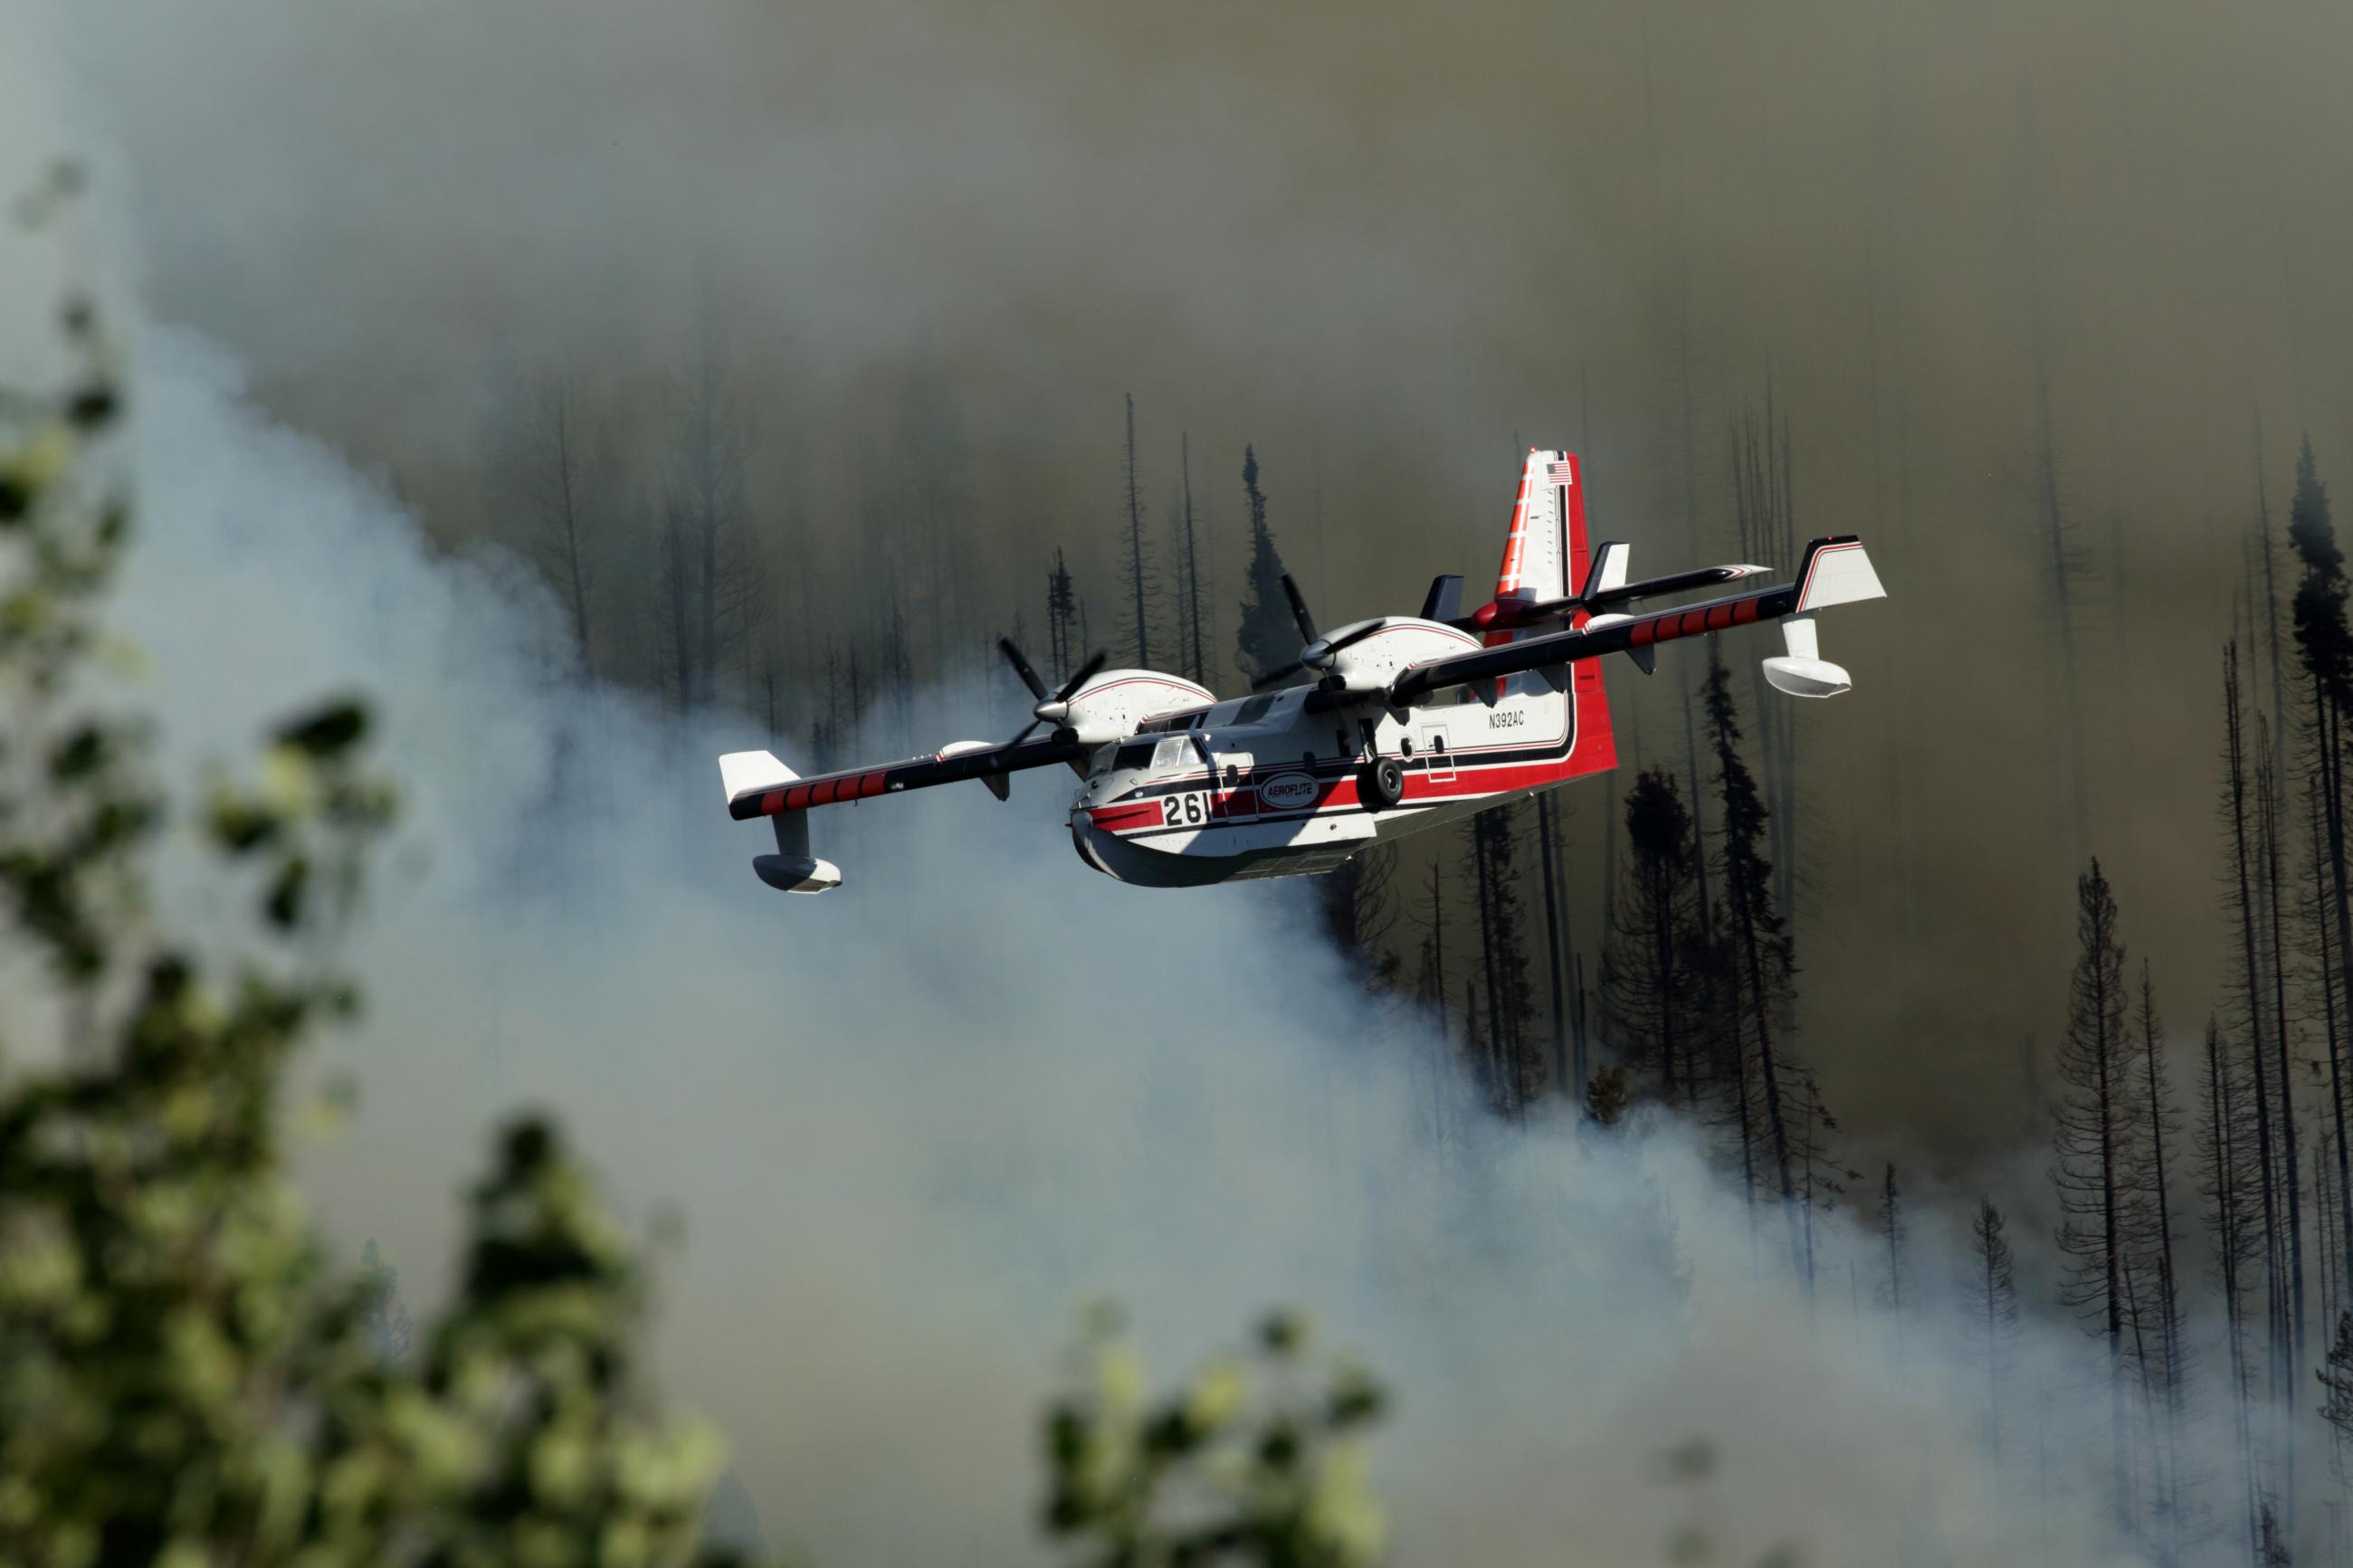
x=1254 y=710
x=1170 y=723
x=1137 y=754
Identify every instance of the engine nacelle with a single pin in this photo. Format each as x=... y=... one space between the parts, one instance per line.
x=1110 y=706
x=1377 y=658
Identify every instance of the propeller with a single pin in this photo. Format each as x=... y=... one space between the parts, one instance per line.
x=1298 y=609
x=1318 y=651
x=1053 y=707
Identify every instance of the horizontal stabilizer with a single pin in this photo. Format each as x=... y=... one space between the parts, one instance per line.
x=1836 y=572
x=743 y=774
x=1608 y=572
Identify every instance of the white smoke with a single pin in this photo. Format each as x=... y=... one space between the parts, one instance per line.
x=914 y=1125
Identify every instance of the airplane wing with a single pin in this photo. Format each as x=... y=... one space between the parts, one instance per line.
x=760 y=785
x=1833 y=571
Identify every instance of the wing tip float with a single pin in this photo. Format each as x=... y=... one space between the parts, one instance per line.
x=756 y=780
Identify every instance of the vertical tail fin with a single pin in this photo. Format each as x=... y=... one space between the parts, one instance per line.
x=1545 y=557
x=1595 y=746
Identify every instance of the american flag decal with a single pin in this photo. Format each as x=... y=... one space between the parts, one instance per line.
x=1561 y=473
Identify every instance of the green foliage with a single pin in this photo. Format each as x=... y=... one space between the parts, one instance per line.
x=185 y=1377
x=1608 y=1095
x=1258 y=1462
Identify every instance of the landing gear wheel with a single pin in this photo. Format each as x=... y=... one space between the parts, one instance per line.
x=1382 y=783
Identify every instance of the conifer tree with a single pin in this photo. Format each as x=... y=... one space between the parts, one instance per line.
x=1139 y=575
x=1197 y=664
x=1358 y=907
x=564 y=484
x=1991 y=1303
x=2092 y=1136
x=2249 y=986
x=1892 y=1237
x=1548 y=810
x=1515 y=1070
x=1647 y=979
x=1267 y=638
x=2228 y=1176
x=1761 y=961
x=2324 y=646
x=1061 y=618
x=2159 y=1331
x=2336 y=1376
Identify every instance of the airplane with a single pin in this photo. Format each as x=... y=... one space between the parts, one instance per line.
x=1378 y=729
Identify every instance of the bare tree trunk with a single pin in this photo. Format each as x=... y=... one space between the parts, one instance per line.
x=2235 y=735
x=1199 y=669
x=1546 y=809
x=2048 y=503
x=2222 y=1147
x=2268 y=791
x=1136 y=545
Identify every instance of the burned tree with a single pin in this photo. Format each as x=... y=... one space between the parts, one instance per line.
x=1513 y=1071
x=1650 y=954
x=1989 y=1298
x=2153 y=1284
x=1139 y=573
x=705 y=556
x=2045 y=481
x=2248 y=984
x=1760 y=961
x=2228 y=1177
x=1892 y=1237
x=564 y=486
x=1357 y=904
x=2324 y=646
x=1189 y=618
x=1765 y=513
x=1063 y=644
x=2092 y=1138
x=1267 y=638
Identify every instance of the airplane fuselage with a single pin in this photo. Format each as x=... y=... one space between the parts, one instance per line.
x=1290 y=792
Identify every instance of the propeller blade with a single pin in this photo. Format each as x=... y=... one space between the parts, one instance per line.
x=1273 y=676
x=1023 y=733
x=1298 y=609
x=1086 y=673
x=1021 y=667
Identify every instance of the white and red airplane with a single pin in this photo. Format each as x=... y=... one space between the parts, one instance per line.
x=1397 y=724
